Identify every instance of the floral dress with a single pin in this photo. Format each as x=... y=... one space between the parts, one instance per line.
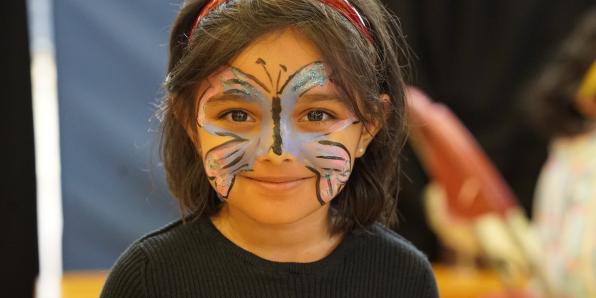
x=565 y=215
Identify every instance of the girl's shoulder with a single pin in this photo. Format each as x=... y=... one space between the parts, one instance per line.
x=177 y=237
x=164 y=250
x=167 y=236
x=392 y=261
x=380 y=239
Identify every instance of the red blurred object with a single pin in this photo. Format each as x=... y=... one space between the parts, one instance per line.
x=451 y=156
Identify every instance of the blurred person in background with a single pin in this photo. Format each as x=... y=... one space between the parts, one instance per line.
x=476 y=57
x=562 y=105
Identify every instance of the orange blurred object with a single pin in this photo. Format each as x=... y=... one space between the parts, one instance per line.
x=83 y=284
x=452 y=283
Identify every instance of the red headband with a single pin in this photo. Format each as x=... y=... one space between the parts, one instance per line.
x=342 y=6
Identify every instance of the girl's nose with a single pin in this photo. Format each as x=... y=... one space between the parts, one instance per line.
x=274 y=158
x=272 y=149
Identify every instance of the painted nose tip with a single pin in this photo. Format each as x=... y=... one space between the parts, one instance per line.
x=277 y=150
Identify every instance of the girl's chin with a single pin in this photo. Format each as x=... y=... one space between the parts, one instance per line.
x=280 y=218
x=260 y=190
x=275 y=209
x=275 y=203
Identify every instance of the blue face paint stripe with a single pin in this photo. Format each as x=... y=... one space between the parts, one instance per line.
x=235 y=139
x=299 y=71
x=240 y=167
x=234 y=162
x=240 y=82
x=244 y=89
x=235 y=91
x=231 y=153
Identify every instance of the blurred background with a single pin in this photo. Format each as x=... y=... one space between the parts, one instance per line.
x=81 y=144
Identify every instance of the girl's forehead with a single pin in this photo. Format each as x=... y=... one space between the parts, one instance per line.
x=281 y=52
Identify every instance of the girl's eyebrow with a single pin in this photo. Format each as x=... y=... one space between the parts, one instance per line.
x=231 y=96
x=249 y=76
x=317 y=97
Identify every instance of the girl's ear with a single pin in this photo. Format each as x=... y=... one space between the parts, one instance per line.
x=371 y=129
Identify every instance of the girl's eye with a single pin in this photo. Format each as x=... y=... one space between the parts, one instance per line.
x=317 y=115
x=237 y=116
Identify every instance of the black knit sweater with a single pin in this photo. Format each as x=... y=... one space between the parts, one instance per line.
x=195 y=260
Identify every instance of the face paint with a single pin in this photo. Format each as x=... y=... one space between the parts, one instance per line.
x=328 y=159
x=235 y=155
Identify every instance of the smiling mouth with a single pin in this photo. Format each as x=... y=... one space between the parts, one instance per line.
x=277 y=180
x=277 y=185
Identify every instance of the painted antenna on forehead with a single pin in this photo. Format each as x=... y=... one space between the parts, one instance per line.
x=342 y=6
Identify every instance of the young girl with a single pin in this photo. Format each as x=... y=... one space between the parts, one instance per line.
x=282 y=129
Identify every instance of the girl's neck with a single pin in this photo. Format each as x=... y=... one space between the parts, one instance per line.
x=303 y=241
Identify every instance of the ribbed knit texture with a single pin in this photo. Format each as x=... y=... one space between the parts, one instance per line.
x=195 y=260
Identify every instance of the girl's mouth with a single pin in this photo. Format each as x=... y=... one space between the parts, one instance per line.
x=277 y=183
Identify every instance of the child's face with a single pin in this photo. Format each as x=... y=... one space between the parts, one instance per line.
x=277 y=138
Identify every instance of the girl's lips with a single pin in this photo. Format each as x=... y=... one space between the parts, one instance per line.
x=277 y=183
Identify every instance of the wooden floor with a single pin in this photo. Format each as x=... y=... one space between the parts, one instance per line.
x=453 y=283
x=83 y=284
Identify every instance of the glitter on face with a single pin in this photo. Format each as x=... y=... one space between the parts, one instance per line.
x=330 y=161
x=311 y=77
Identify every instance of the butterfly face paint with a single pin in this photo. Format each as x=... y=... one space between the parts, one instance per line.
x=267 y=113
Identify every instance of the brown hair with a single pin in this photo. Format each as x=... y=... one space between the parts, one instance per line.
x=364 y=70
x=550 y=99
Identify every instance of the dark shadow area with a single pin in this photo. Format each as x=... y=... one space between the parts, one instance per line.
x=18 y=248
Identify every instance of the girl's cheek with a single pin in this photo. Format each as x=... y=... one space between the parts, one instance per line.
x=348 y=136
x=208 y=141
